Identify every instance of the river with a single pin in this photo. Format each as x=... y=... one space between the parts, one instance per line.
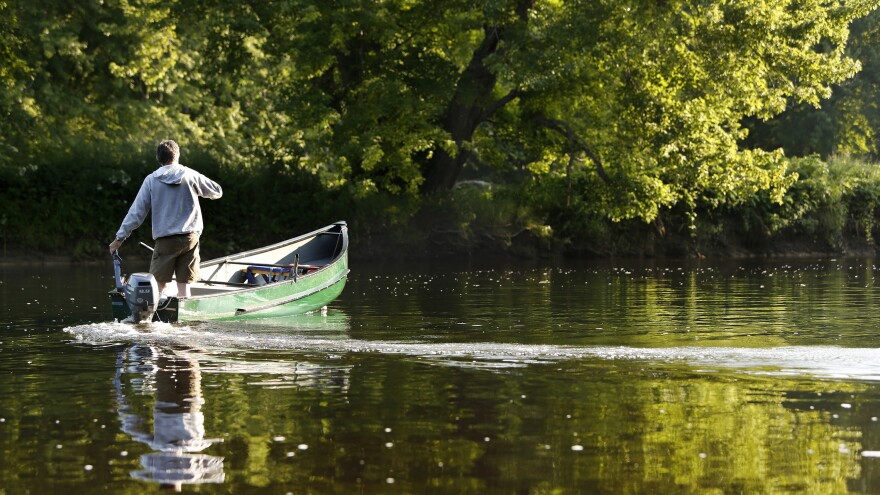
x=693 y=376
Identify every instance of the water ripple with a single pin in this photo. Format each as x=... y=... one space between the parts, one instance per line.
x=821 y=361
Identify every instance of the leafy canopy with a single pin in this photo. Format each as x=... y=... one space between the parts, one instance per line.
x=642 y=100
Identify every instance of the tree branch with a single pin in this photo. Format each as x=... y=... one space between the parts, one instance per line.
x=576 y=142
x=490 y=110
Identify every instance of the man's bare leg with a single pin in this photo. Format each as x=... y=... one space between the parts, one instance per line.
x=183 y=289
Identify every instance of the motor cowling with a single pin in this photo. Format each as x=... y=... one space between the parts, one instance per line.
x=142 y=296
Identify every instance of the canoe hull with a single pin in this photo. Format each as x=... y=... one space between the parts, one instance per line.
x=280 y=299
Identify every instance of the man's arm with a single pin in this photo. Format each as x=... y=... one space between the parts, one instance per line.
x=135 y=217
x=205 y=187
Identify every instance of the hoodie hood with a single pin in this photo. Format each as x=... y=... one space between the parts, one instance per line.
x=170 y=174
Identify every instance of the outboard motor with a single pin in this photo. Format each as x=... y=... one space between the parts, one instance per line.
x=142 y=296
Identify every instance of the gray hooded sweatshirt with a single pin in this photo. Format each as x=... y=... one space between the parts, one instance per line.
x=172 y=192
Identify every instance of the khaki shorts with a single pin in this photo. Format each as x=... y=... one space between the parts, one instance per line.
x=176 y=255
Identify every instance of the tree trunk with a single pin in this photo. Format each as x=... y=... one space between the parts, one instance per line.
x=463 y=115
x=470 y=106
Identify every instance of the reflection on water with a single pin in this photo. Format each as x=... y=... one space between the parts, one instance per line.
x=608 y=377
x=173 y=383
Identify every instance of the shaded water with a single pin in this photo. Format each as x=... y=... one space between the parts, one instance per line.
x=590 y=377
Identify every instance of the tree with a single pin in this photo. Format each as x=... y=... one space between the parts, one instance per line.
x=15 y=107
x=89 y=72
x=120 y=75
x=400 y=95
x=844 y=124
x=637 y=105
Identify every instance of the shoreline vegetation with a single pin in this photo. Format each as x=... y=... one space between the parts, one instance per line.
x=831 y=209
x=519 y=128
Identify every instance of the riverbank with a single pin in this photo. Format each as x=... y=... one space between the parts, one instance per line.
x=529 y=245
x=831 y=209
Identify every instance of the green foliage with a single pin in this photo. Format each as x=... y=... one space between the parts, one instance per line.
x=812 y=205
x=64 y=202
x=366 y=96
x=844 y=124
x=603 y=111
x=483 y=215
x=475 y=216
x=75 y=203
x=827 y=199
x=660 y=96
x=860 y=181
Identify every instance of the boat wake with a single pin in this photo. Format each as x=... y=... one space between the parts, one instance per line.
x=328 y=337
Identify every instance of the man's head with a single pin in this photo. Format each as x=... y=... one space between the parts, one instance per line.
x=168 y=152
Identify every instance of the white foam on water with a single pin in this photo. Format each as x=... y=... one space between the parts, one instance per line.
x=824 y=361
x=147 y=333
x=827 y=361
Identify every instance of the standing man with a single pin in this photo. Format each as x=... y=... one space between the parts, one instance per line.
x=172 y=193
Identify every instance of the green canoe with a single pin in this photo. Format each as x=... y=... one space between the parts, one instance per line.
x=291 y=277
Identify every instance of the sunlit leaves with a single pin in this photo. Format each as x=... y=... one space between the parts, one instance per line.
x=366 y=95
x=663 y=88
x=844 y=124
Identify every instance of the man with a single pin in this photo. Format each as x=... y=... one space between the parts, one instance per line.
x=172 y=193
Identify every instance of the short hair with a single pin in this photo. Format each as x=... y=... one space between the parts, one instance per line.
x=167 y=152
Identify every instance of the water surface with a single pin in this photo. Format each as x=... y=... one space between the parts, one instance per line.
x=580 y=377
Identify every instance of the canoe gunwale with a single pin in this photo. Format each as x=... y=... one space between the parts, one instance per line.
x=277 y=245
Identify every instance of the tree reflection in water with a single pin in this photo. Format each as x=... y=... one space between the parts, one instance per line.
x=173 y=382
